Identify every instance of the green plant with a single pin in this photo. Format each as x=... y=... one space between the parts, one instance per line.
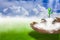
x=49 y=12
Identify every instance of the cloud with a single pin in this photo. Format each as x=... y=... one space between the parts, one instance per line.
x=16 y=9
x=35 y=10
x=25 y=12
x=4 y=10
x=1 y=14
x=43 y=12
x=55 y=15
x=24 y=8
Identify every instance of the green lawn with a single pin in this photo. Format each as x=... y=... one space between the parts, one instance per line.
x=23 y=31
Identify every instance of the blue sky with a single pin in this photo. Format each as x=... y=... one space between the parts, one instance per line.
x=27 y=7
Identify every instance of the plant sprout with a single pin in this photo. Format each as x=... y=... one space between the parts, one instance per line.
x=49 y=12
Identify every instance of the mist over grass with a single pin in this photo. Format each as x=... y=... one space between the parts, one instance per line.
x=15 y=28
x=18 y=28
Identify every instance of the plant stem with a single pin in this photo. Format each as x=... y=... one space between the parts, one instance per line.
x=49 y=15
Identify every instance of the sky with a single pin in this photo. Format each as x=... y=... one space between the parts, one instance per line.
x=29 y=8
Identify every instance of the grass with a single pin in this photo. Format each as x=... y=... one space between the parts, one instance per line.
x=22 y=31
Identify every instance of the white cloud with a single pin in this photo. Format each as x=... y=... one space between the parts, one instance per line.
x=5 y=9
x=43 y=12
x=0 y=14
x=42 y=8
x=35 y=10
x=16 y=9
x=25 y=12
